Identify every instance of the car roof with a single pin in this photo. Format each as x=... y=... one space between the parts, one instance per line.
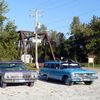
x=53 y=62
x=10 y=62
x=60 y=62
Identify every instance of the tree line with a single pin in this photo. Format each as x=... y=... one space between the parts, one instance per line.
x=84 y=39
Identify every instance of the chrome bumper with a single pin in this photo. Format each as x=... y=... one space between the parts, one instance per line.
x=80 y=79
x=18 y=80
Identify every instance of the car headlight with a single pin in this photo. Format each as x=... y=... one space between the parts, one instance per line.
x=34 y=75
x=75 y=75
x=94 y=75
x=7 y=76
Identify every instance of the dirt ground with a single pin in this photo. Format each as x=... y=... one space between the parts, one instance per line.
x=52 y=90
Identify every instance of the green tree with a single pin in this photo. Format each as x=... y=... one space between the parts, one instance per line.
x=85 y=38
x=42 y=29
x=9 y=41
x=75 y=26
x=52 y=35
x=3 y=10
x=92 y=35
x=76 y=32
x=8 y=35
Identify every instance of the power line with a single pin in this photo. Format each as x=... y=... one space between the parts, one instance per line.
x=81 y=14
x=61 y=5
x=61 y=20
x=57 y=5
x=60 y=27
x=51 y=3
x=94 y=10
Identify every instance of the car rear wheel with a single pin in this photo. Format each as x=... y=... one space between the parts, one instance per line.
x=66 y=81
x=88 y=82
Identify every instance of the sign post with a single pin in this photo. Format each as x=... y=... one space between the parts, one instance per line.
x=91 y=60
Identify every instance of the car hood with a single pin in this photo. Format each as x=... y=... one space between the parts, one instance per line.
x=79 y=70
x=17 y=71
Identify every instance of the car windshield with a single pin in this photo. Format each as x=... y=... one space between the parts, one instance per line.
x=69 y=65
x=12 y=66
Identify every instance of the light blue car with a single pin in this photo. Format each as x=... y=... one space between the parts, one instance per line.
x=67 y=72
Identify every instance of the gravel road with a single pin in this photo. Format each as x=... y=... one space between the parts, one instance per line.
x=52 y=90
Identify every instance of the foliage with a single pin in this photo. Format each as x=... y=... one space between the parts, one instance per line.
x=86 y=37
x=31 y=66
x=42 y=28
x=3 y=10
x=8 y=43
x=91 y=65
x=8 y=36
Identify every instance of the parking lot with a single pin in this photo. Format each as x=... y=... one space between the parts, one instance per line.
x=52 y=90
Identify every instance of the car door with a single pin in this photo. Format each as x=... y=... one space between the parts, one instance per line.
x=55 y=72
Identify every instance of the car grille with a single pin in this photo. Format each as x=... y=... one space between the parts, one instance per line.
x=26 y=76
x=21 y=76
x=85 y=75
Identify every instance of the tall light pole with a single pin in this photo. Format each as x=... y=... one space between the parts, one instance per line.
x=36 y=14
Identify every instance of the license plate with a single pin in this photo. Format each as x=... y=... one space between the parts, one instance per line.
x=86 y=79
x=19 y=80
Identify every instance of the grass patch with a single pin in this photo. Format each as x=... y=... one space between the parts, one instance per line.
x=90 y=65
x=31 y=66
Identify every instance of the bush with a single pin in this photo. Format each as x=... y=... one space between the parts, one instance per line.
x=31 y=66
x=90 y=65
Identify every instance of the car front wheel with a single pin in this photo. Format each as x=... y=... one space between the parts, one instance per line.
x=3 y=85
x=45 y=77
x=30 y=84
x=66 y=81
x=88 y=82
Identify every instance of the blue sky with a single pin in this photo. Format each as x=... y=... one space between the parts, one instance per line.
x=56 y=14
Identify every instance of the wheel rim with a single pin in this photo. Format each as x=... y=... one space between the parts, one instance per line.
x=67 y=81
x=3 y=85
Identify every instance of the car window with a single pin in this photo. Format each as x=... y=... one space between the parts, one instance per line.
x=57 y=66
x=18 y=66
x=4 y=65
x=70 y=65
x=52 y=66
x=12 y=66
x=45 y=65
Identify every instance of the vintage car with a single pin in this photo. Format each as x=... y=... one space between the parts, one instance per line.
x=16 y=72
x=68 y=72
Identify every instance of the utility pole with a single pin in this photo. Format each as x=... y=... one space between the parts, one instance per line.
x=36 y=14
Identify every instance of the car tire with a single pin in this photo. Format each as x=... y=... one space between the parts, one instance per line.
x=30 y=84
x=88 y=82
x=66 y=81
x=45 y=77
x=3 y=85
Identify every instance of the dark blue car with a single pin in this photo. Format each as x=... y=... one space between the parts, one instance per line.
x=16 y=72
x=68 y=72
